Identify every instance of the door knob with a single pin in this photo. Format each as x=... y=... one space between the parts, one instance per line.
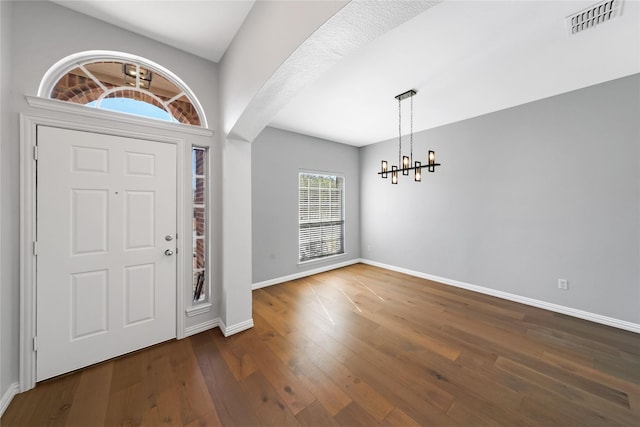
x=168 y=237
x=168 y=252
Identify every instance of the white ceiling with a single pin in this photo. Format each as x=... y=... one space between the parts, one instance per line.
x=204 y=28
x=465 y=59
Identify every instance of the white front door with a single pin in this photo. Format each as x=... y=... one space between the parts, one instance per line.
x=106 y=229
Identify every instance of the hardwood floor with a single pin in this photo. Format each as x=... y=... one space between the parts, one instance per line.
x=362 y=346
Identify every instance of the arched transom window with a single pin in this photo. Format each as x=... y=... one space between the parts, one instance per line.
x=125 y=83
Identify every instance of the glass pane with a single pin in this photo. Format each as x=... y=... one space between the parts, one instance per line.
x=199 y=252
x=198 y=191
x=198 y=222
x=110 y=74
x=199 y=157
x=199 y=286
x=184 y=111
x=132 y=106
x=162 y=87
x=77 y=87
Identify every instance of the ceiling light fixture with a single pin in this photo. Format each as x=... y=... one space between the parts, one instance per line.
x=405 y=162
x=136 y=76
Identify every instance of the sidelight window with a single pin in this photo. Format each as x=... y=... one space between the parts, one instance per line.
x=200 y=224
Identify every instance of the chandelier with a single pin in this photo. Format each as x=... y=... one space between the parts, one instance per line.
x=405 y=162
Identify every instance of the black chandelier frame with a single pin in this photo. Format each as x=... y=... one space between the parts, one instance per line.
x=407 y=161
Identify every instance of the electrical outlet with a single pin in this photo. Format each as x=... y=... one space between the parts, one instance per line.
x=369 y=248
x=563 y=284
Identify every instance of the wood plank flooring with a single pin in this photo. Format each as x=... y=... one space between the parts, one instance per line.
x=362 y=346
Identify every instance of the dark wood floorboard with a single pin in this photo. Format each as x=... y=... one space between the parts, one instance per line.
x=362 y=346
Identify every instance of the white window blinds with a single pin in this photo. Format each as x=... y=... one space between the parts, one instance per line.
x=321 y=215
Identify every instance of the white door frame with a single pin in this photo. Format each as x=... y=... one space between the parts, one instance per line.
x=28 y=276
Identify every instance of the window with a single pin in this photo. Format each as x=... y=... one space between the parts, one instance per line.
x=200 y=226
x=321 y=215
x=125 y=87
x=125 y=83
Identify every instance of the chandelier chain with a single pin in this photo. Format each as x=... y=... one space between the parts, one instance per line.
x=399 y=132
x=411 y=131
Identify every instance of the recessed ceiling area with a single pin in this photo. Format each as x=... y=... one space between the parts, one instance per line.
x=465 y=59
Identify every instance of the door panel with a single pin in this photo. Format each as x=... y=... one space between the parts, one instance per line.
x=139 y=213
x=89 y=221
x=105 y=286
x=88 y=304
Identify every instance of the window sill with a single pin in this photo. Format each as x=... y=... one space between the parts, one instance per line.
x=199 y=309
x=323 y=259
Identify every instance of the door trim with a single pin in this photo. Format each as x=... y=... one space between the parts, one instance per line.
x=28 y=274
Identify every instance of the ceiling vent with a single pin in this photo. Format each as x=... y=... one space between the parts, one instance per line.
x=594 y=15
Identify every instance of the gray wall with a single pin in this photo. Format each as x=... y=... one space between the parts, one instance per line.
x=277 y=156
x=525 y=196
x=41 y=33
x=8 y=260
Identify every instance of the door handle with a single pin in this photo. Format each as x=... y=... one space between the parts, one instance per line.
x=168 y=252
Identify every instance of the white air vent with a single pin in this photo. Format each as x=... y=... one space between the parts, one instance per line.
x=594 y=15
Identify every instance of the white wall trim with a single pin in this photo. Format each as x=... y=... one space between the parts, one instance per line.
x=198 y=309
x=2 y=119
x=597 y=318
x=301 y=274
x=201 y=327
x=81 y=110
x=234 y=329
x=27 y=259
x=8 y=397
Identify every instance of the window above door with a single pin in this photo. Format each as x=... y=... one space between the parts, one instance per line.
x=125 y=83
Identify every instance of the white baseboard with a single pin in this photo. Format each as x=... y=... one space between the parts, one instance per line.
x=234 y=329
x=201 y=327
x=226 y=330
x=597 y=318
x=302 y=274
x=8 y=397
